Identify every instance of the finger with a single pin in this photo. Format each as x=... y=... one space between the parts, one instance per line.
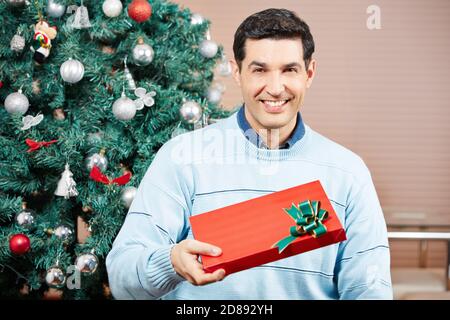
x=220 y=274
x=198 y=247
x=201 y=278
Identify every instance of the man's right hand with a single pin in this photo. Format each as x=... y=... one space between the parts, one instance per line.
x=184 y=257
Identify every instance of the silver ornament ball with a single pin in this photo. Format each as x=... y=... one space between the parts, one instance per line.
x=72 y=71
x=63 y=232
x=208 y=48
x=124 y=108
x=25 y=218
x=55 y=9
x=86 y=263
x=112 y=8
x=191 y=112
x=97 y=160
x=142 y=54
x=127 y=196
x=55 y=277
x=214 y=95
x=17 y=43
x=197 y=19
x=17 y=103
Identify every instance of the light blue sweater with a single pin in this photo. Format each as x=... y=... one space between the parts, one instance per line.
x=217 y=166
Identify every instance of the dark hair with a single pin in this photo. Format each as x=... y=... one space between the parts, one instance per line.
x=273 y=24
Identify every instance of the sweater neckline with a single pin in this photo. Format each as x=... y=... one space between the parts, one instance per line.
x=270 y=154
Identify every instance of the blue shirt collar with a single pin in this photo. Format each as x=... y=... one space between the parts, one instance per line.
x=253 y=137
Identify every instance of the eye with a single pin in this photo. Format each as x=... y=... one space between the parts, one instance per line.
x=291 y=70
x=258 y=70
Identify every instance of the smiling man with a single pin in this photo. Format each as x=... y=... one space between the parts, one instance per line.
x=155 y=255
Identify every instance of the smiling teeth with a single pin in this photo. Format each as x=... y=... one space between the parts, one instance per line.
x=275 y=103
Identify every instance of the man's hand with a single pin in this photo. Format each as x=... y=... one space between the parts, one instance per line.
x=184 y=257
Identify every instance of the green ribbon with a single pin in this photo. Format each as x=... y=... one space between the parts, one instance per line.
x=308 y=219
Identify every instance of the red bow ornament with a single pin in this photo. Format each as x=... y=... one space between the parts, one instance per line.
x=98 y=176
x=35 y=145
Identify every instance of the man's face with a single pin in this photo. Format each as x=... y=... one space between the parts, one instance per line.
x=273 y=81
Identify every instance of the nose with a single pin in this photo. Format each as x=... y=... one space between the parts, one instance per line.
x=275 y=85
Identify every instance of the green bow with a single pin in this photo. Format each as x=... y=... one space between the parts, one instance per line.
x=308 y=218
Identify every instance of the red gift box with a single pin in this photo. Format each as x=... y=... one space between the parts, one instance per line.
x=258 y=231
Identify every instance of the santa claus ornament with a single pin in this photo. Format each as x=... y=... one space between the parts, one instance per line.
x=42 y=41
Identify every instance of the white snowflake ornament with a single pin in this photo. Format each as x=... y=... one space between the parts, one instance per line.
x=145 y=99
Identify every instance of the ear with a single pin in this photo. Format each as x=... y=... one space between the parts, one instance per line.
x=235 y=72
x=311 y=72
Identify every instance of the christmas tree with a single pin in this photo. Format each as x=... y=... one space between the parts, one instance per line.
x=89 y=91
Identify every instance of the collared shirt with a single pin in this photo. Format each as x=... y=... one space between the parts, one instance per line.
x=253 y=137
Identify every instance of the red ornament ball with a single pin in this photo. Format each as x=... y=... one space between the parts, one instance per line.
x=19 y=244
x=139 y=10
x=1 y=84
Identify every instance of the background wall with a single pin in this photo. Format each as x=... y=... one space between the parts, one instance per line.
x=382 y=93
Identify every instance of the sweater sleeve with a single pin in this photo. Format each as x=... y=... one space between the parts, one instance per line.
x=362 y=269
x=139 y=265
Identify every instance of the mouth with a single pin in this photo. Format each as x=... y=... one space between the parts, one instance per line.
x=274 y=106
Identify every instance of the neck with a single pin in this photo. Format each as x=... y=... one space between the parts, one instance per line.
x=272 y=137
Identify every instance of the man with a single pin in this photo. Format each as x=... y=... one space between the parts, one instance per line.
x=264 y=147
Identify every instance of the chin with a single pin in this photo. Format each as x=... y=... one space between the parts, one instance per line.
x=274 y=123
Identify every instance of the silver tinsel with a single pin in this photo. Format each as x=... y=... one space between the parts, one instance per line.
x=17 y=43
x=66 y=185
x=124 y=108
x=17 y=103
x=55 y=9
x=191 y=112
x=55 y=277
x=86 y=263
